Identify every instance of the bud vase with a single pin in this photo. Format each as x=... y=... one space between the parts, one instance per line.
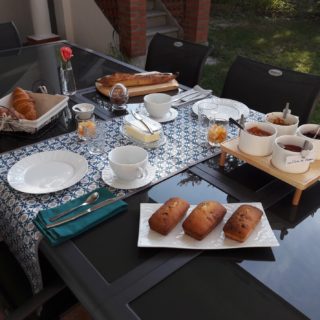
x=68 y=84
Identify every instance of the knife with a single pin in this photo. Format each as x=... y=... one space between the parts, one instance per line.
x=84 y=212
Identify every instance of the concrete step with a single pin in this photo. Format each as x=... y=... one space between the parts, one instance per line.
x=168 y=30
x=156 y=18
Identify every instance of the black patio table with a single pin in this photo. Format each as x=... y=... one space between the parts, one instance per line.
x=115 y=279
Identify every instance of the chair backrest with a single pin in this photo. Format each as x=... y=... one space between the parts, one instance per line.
x=167 y=54
x=267 y=88
x=9 y=36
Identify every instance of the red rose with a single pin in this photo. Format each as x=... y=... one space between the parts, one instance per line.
x=66 y=54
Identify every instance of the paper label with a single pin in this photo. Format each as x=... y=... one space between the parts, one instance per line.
x=292 y=160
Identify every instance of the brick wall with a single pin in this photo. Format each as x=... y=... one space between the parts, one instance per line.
x=196 y=20
x=110 y=11
x=132 y=27
x=128 y=17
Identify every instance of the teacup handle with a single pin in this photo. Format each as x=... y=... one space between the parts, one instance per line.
x=141 y=172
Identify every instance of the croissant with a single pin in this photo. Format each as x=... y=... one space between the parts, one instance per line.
x=136 y=79
x=24 y=104
x=11 y=113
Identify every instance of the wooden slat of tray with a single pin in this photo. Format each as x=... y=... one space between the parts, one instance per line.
x=142 y=90
x=299 y=180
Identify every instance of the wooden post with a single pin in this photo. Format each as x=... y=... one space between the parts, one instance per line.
x=296 y=197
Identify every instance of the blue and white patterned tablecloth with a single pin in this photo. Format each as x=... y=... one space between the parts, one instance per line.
x=17 y=209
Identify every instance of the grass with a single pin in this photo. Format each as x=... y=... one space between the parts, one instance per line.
x=288 y=43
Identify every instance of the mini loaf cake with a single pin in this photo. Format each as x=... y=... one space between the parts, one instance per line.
x=242 y=222
x=203 y=219
x=168 y=215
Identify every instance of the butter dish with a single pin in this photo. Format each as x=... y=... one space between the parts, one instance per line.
x=137 y=132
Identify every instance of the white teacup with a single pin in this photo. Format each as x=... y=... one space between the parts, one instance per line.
x=157 y=104
x=83 y=111
x=128 y=162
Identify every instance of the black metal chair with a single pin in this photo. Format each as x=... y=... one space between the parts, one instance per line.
x=167 y=54
x=267 y=88
x=9 y=36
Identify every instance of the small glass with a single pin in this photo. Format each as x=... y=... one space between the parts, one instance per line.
x=86 y=127
x=217 y=131
x=206 y=114
x=119 y=97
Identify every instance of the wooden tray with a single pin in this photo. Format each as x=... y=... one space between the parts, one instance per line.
x=142 y=90
x=300 y=181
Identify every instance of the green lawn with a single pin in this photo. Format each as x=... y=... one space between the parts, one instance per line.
x=288 y=43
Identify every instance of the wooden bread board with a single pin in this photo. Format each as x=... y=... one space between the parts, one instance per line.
x=142 y=90
x=300 y=181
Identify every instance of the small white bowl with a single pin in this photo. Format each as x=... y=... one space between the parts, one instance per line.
x=279 y=154
x=257 y=145
x=312 y=128
x=290 y=126
x=83 y=110
x=157 y=104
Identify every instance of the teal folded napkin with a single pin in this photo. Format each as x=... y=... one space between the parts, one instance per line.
x=73 y=228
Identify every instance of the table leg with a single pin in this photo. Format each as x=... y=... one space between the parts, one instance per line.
x=222 y=160
x=296 y=197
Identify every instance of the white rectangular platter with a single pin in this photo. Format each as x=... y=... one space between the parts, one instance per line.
x=262 y=236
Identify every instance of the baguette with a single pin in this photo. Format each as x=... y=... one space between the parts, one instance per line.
x=203 y=219
x=136 y=79
x=242 y=222
x=168 y=215
x=24 y=104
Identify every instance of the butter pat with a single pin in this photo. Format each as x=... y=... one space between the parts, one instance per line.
x=137 y=130
x=140 y=135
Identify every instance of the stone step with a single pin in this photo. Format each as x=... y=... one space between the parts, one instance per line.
x=156 y=18
x=168 y=30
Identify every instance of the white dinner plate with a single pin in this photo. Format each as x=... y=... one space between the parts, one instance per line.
x=110 y=179
x=228 y=107
x=262 y=235
x=48 y=171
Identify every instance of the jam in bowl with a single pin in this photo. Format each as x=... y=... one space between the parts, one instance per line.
x=259 y=132
x=284 y=126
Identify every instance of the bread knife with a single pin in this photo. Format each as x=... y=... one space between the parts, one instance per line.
x=84 y=212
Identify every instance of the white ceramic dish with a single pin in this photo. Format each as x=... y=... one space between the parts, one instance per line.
x=291 y=121
x=316 y=142
x=47 y=172
x=262 y=236
x=222 y=110
x=279 y=154
x=146 y=145
x=257 y=145
x=241 y=107
x=113 y=181
x=83 y=110
x=169 y=116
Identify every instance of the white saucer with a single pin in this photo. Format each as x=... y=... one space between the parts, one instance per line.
x=169 y=116
x=110 y=179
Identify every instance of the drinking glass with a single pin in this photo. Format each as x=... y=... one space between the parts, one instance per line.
x=217 y=131
x=96 y=141
x=206 y=114
x=86 y=127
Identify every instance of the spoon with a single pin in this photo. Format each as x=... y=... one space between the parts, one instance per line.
x=231 y=120
x=285 y=110
x=92 y=198
x=314 y=137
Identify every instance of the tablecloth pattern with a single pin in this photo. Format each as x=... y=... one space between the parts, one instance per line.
x=17 y=209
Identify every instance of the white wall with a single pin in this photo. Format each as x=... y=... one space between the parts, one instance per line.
x=83 y=23
x=19 y=12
